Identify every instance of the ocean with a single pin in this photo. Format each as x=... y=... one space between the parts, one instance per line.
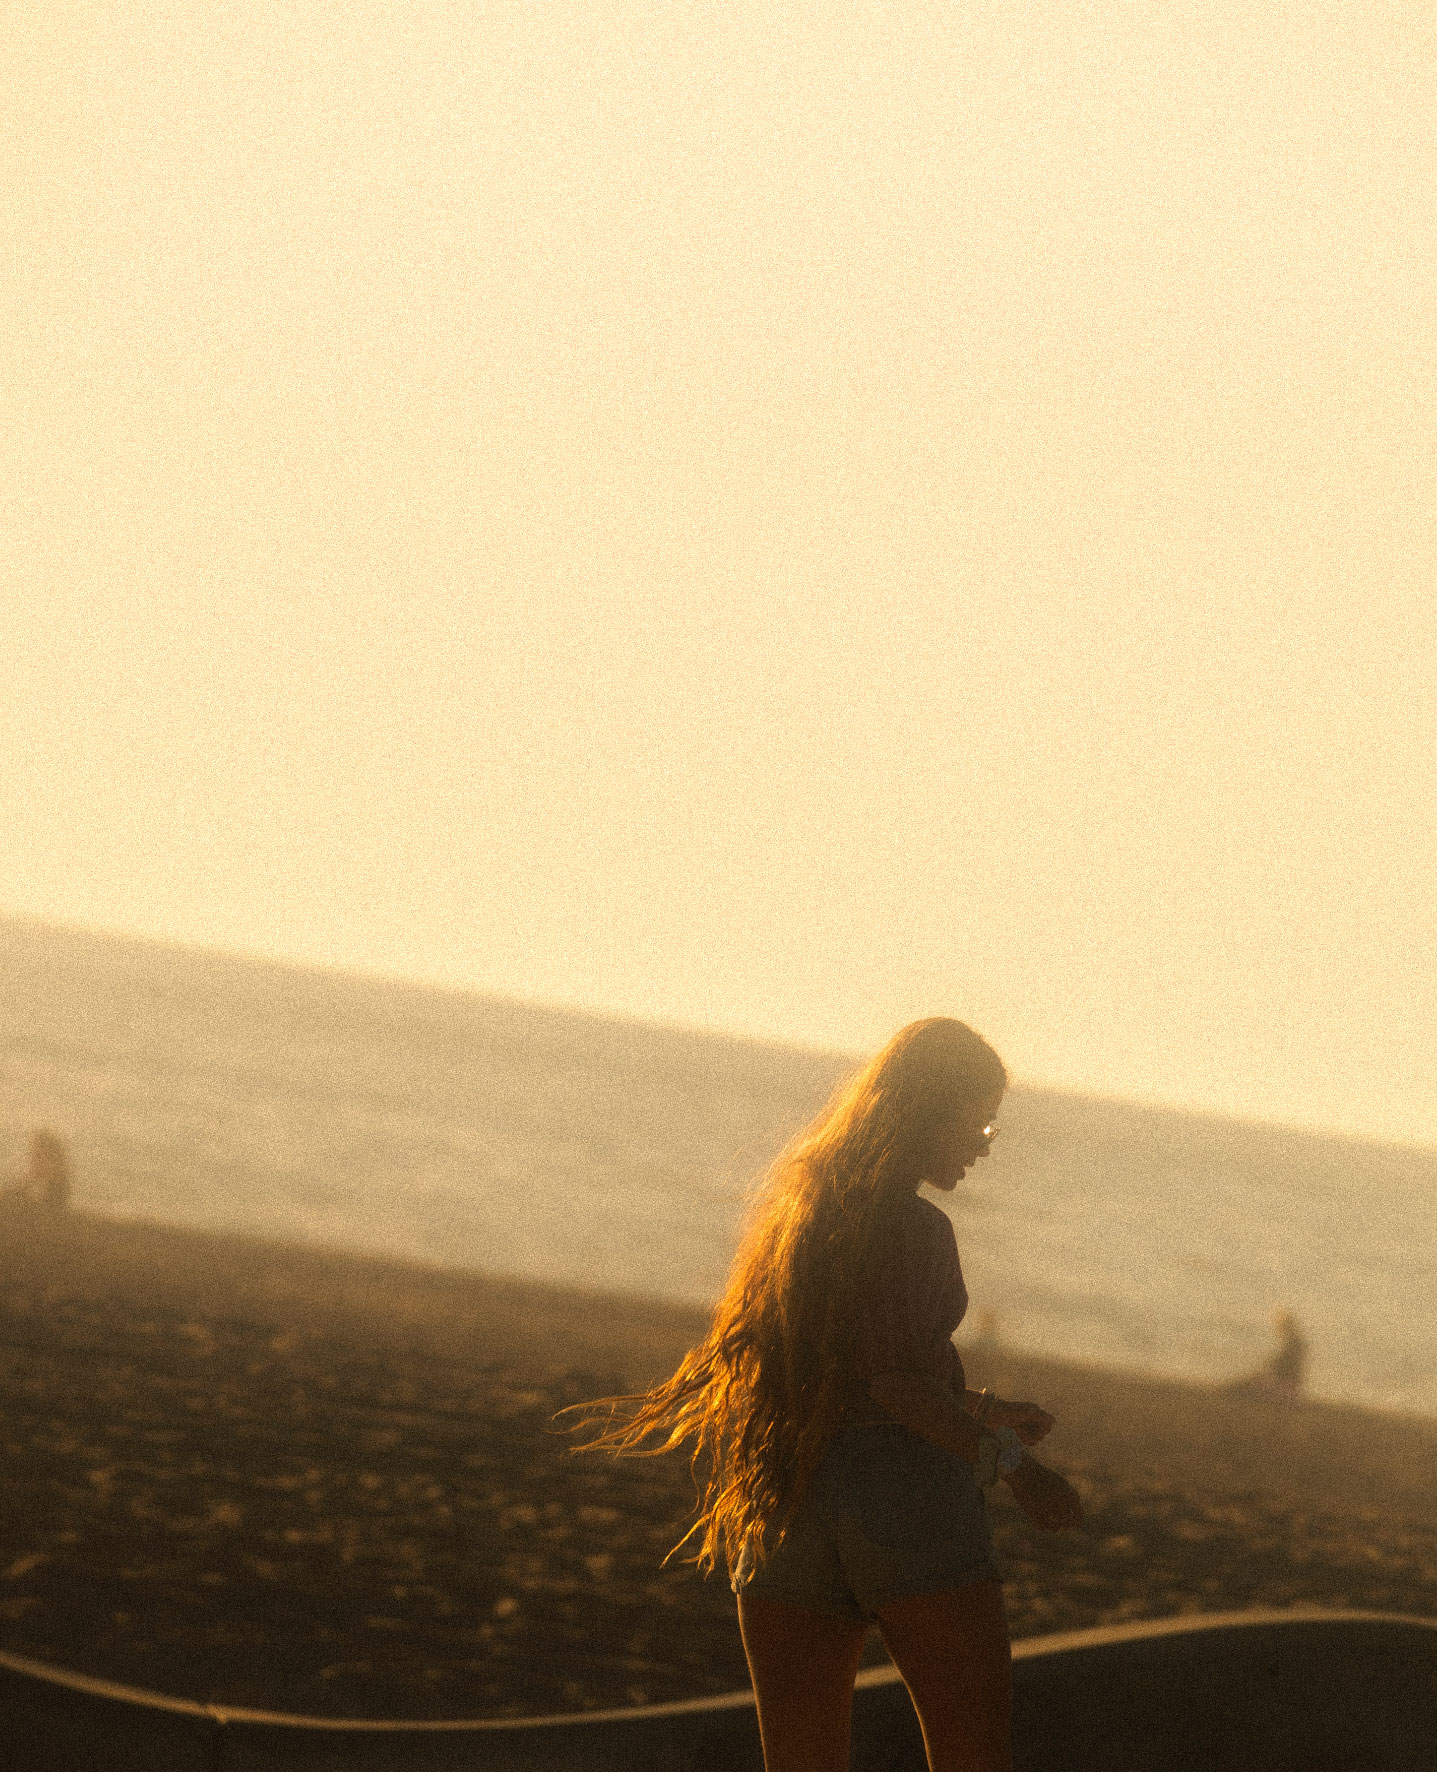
x=232 y=1093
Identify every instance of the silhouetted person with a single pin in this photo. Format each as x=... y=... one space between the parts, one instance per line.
x=845 y=1459
x=47 y=1176
x=1284 y=1374
x=1287 y=1369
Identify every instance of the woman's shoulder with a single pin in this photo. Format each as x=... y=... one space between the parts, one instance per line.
x=929 y=1210
x=924 y=1224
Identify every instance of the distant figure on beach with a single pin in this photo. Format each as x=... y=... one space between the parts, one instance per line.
x=45 y=1180
x=1283 y=1375
x=842 y=1459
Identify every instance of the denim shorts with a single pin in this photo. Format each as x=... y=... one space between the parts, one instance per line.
x=889 y=1515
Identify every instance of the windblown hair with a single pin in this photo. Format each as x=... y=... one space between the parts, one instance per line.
x=761 y=1395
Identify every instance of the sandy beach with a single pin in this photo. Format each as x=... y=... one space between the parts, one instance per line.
x=262 y=1475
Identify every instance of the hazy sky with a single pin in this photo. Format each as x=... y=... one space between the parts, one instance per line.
x=779 y=517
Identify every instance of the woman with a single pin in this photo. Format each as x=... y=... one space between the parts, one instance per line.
x=839 y=1456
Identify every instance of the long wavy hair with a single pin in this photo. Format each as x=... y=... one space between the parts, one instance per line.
x=761 y=1395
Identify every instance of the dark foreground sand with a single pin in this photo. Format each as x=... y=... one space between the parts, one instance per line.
x=259 y=1475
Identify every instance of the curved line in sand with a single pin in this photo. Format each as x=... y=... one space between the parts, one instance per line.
x=1025 y=1649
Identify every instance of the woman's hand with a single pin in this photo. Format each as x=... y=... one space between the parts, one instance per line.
x=1027 y=1420
x=1050 y=1501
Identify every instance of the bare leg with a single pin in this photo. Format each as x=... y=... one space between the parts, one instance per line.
x=952 y=1650
x=803 y=1665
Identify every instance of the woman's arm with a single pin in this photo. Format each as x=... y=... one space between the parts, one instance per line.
x=923 y=1407
x=927 y=1409
x=1027 y=1420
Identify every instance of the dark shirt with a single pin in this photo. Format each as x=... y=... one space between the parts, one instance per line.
x=911 y=1298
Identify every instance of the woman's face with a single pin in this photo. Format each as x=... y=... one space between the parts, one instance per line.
x=964 y=1142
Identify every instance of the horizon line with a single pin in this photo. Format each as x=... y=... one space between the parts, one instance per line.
x=596 y=1012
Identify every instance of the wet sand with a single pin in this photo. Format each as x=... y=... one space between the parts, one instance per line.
x=259 y=1475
